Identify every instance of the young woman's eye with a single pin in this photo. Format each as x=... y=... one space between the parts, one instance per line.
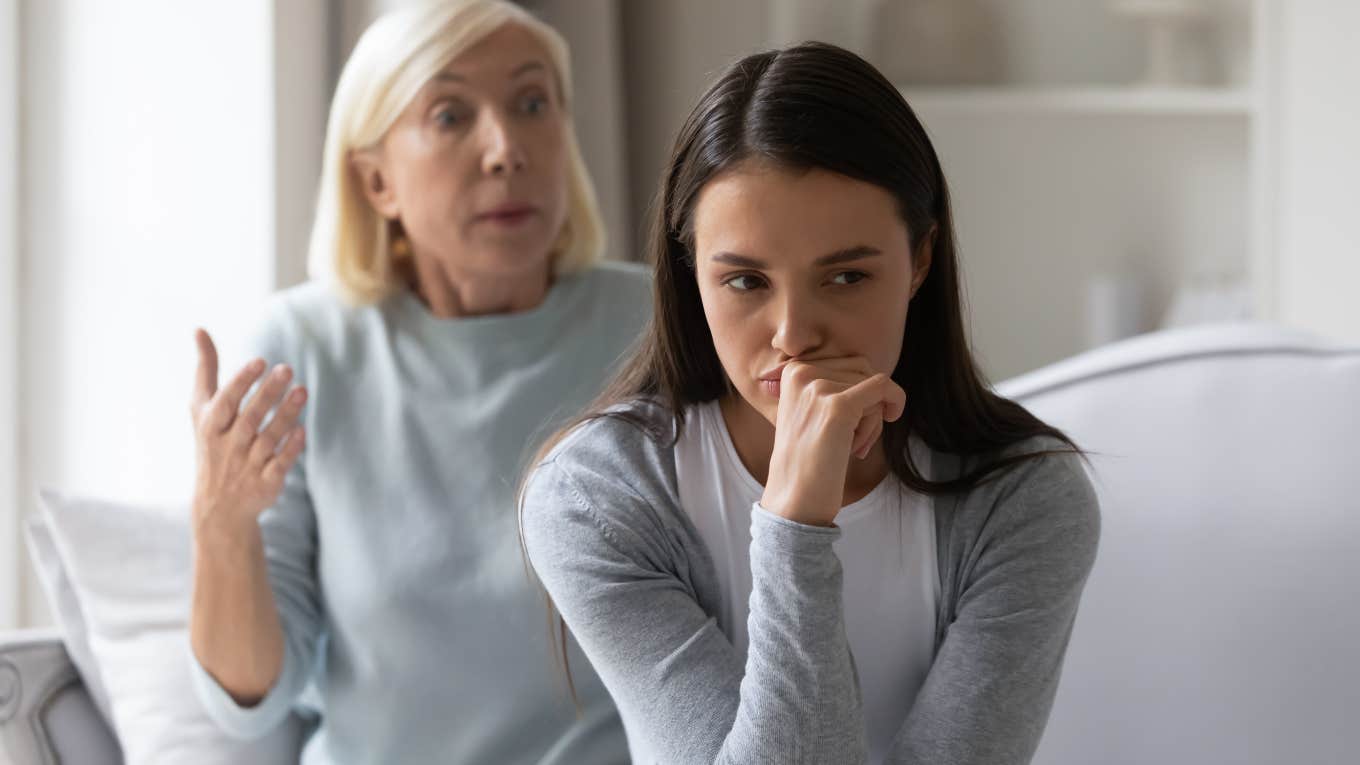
x=744 y=282
x=849 y=277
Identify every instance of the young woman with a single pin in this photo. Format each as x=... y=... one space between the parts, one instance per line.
x=462 y=310
x=799 y=528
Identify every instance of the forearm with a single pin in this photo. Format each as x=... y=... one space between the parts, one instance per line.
x=798 y=665
x=234 y=626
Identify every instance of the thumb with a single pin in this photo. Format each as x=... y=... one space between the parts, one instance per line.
x=205 y=382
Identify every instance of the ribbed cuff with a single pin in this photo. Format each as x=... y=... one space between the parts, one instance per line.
x=789 y=536
x=242 y=722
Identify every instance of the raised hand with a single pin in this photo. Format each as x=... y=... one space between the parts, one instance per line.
x=242 y=460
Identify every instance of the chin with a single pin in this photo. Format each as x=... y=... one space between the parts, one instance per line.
x=510 y=261
x=762 y=404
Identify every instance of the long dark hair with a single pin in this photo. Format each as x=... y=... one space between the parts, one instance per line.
x=817 y=106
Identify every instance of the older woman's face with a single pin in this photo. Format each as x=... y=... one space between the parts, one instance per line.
x=803 y=266
x=476 y=165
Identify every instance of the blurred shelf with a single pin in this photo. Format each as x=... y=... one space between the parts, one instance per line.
x=1082 y=101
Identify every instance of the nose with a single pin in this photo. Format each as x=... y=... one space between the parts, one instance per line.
x=797 y=331
x=502 y=152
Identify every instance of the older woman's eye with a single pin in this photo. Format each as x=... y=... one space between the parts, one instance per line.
x=451 y=114
x=534 y=104
x=744 y=282
x=849 y=277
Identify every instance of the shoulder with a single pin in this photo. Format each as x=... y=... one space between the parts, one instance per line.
x=628 y=446
x=303 y=310
x=307 y=321
x=621 y=275
x=617 y=287
x=616 y=470
x=1047 y=501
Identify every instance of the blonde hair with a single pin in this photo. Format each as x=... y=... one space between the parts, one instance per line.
x=401 y=51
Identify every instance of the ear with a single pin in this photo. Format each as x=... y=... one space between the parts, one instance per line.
x=369 y=168
x=920 y=261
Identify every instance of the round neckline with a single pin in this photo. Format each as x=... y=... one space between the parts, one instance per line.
x=718 y=429
x=409 y=303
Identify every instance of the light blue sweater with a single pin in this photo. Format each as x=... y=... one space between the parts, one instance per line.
x=393 y=552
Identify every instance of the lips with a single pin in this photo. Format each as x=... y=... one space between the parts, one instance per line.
x=773 y=374
x=769 y=381
x=507 y=213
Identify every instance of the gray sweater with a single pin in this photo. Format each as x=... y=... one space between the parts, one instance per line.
x=627 y=569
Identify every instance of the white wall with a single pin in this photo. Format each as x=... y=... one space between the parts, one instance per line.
x=671 y=53
x=593 y=29
x=1046 y=202
x=9 y=311
x=303 y=83
x=149 y=188
x=1317 y=258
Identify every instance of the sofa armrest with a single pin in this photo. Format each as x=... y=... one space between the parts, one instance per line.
x=46 y=716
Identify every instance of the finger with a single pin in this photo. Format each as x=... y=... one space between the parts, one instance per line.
x=205 y=381
x=280 y=425
x=867 y=431
x=879 y=389
x=225 y=404
x=802 y=373
x=856 y=364
x=265 y=398
x=282 y=461
x=867 y=393
x=894 y=401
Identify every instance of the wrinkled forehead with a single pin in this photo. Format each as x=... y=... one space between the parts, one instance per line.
x=504 y=58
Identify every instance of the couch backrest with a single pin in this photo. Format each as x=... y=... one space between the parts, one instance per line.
x=1221 y=623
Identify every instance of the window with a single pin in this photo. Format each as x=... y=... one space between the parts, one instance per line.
x=9 y=313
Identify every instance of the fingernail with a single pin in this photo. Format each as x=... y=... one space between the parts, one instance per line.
x=257 y=366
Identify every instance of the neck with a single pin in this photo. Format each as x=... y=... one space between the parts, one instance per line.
x=450 y=294
x=753 y=438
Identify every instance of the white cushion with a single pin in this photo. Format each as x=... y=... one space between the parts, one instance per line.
x=1222 y=619
x=61 y=597
x=130 y=568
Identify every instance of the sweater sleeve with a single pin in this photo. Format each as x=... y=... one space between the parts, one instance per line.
x=289 y=532
x=614 y=570
x=988 y=693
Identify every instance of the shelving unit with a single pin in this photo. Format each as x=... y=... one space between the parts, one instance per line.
x=1065 y=185
x=1093 y=101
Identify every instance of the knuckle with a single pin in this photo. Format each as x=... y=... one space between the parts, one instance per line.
x=250 y=421
x=839 y=408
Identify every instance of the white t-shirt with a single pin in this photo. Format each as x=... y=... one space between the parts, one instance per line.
x=887 y=553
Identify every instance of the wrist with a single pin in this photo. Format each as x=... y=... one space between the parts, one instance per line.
x=218 y=535
x=790 y=511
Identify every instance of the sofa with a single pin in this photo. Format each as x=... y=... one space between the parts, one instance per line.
x=1222 y=621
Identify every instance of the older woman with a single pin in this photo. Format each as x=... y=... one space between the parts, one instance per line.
x=367 y=541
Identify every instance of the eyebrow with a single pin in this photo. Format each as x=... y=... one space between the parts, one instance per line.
x=522 y=69
x=839 y=256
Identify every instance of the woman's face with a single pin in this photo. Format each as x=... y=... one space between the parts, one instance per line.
x=800 y=265
x=475 y=167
